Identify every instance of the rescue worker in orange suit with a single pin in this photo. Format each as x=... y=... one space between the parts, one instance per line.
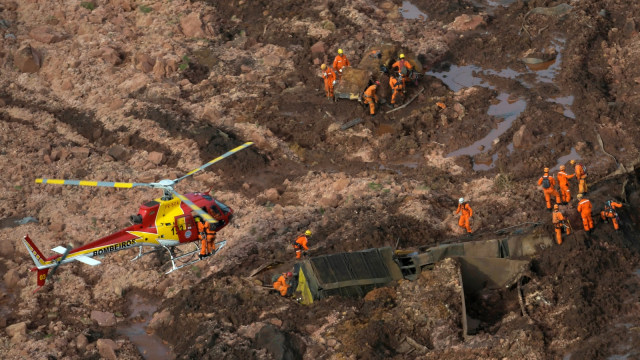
x=340 y=62
x=283 y=283
x=371 y=98
x=404 y=68
x=563 y=182
x=581 y=176
x=207 y=238
x=560 y=222
x=301 y=243
x=548 y=184
x=329 y=80
x=466 y=213
x=610 y=212
x=397 y=88
x=584 y=208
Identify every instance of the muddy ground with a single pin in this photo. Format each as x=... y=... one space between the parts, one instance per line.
x=124 y=80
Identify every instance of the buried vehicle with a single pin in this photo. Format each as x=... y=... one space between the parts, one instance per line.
x=485 y=268
x=375 y=65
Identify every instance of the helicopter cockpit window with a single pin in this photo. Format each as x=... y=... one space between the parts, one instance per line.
x=224 y=207
x=207 y=197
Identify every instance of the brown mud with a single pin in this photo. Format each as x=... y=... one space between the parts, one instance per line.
x=392 y=180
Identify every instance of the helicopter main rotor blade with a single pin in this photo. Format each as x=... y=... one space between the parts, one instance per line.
x=203 y=214
x=228 y=153
x=121 y=185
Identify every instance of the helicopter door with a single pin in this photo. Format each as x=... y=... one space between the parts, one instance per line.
x=186 y=228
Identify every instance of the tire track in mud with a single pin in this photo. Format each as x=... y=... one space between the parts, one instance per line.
x=86 y=125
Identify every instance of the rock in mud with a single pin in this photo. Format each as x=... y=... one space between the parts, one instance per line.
x=11 y=278
x=81 y=342
x=107 y=349
x=192 y=26
x=27 y=59
x=522 y=138
x=156 y=157
x=6 y=249
x=118 y=152
x=161 y=319
x=45 y=34
x=466 y=23
x=103 y=318
x=17 y=332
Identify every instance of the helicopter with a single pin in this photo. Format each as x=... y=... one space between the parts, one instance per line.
x=163 y=223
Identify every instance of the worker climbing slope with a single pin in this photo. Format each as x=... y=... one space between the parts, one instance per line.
x=371 y=98
x=560 y=222
x=610 y=212
x=584 y=208
x=581 y=176
x=329 y=80
x=563 y=183
x=465 y=211
x=340 y=62
x=548 y=184
x=300 y=244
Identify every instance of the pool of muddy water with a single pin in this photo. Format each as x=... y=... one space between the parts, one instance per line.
x=459 y=77
x=410 y=11
x=141 y=310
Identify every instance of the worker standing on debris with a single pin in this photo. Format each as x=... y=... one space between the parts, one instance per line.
x=371 y=98
x=283 y=283
x=584 y=208
x=329 y=80
x=466 y=213
x=397 y=88
x=581 y=176
x=610 y=212
x=340 y=62
x=560 y=222
x=300 y=243
x=563 y=182
x=404 y=68
x=548 y=184
x=207 y=238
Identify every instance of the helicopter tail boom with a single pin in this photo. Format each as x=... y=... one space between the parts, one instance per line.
x=42 y=264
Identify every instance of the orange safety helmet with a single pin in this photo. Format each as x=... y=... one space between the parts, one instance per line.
x=555 y=207
x=546 y=169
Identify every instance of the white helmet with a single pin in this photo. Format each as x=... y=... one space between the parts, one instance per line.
x=461 y=200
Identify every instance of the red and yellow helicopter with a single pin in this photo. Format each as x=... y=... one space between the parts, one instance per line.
x=163 y=223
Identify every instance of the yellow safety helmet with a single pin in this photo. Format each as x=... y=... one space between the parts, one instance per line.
x=572 y=162
x=562 y=167
x=323 y=66
x=401 y=56
x=579 y=196
x=340 y=51
x=546 y=169
x=307 y=233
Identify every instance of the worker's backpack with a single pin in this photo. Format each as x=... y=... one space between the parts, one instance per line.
x=275 y=277
x=545 y=182
x=584 y=169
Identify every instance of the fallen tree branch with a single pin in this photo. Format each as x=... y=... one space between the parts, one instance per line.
x=409 y=102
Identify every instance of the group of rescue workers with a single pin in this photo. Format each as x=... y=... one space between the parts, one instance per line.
x=585 y=208
x=399 y=76
x=560 y=221
x=397 y=81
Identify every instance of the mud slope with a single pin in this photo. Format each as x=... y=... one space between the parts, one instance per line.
x=125 y=91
